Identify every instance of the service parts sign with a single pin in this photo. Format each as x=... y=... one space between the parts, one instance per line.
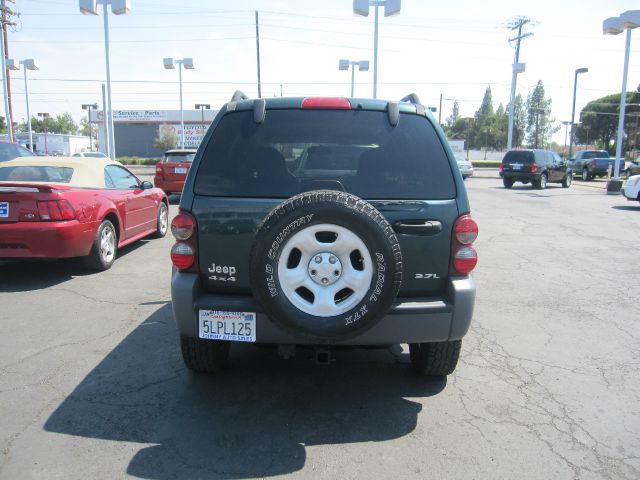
x=193 y=133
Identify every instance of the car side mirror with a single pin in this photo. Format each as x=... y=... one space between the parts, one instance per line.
x=145 y=185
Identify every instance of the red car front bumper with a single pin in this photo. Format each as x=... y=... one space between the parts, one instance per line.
x=46 y=239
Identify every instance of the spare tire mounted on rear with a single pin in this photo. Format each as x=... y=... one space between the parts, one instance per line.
x=325 y=265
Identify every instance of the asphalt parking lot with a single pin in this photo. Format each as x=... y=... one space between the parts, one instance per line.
x=92 y=384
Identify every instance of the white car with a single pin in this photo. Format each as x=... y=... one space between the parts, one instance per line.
x=631 y=188
x=466 y=168
x=90 y=154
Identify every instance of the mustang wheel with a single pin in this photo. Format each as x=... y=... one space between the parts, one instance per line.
x=163 y=221
x=326 y=265
x=105 y=246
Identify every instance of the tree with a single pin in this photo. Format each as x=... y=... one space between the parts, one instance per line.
x=540 y=127
x=85 y=127
x=167 y=138
x=519 y=121
x=59 y=124
x=3 y=125
x=455 y=114
x=599 y=122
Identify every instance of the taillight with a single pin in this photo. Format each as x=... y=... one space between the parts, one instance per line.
x=463 y=256
x=593 y=164
x=326 y=102
x=159 y=170
x=182 y=226
x=183 y=253
x=501 y=166
x=534 y=168
x=53 y=210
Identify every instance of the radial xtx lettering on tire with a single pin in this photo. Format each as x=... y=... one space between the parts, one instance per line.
x=325 y=265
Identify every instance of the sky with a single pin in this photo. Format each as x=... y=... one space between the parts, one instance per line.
x=455 y=49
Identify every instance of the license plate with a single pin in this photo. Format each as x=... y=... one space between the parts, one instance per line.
x=4 y=209
x=516 y=166
x=220 y=325
x=181 y=170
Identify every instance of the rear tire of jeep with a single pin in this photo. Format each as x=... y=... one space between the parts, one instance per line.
x=585 y=175
x=204 y=356
x=541 y=183
x=507 y=182
x=325 y=266
x=431 y=359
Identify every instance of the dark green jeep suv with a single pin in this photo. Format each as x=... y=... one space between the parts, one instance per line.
x=324 y=222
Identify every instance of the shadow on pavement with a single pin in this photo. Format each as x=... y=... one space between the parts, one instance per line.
x=27 y=275
x=633 y=208
x=253 y=420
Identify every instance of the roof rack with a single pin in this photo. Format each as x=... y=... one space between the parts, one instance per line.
x=238 y=95
x=411 y=98
x=259 y=105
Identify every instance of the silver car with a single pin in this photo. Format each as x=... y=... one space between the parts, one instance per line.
x=465 y=166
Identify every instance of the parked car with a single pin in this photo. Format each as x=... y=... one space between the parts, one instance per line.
x=465 y=166
x=632 y=168
x=631 y=188
x=67 y=207
x=172 y=171
x=536 y=166
x=10 y=150
x=593 y=163
x=370 y=253
x=90 y=155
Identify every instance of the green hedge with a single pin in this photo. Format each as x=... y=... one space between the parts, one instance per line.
x=485 y=163
x=138 y=160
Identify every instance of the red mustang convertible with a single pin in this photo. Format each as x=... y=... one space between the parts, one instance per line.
x=56 y=207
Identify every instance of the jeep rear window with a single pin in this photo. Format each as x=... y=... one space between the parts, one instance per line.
x=519 y=156
x=299 y=150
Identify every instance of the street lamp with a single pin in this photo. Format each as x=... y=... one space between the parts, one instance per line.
x=202 y=107
x=169 y=65
x=516 y=68
x=573 y=109
x=44 y=117
x=566 y=124
x=118 y=7
x=89 y=106
x=361 y=7
x=363 y=66
x=613 y=26
x=29 y=64
x=440 y=111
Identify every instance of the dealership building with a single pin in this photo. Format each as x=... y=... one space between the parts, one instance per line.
x=135 y=131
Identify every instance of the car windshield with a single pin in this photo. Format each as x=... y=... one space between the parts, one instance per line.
x=179 y=157
x=9 y=151
x=519 y=156
x=34 y=173
x=598 y=154
x=300 y=150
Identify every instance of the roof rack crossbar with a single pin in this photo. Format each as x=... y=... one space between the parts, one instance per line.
x=238 y=95
x=411 y=98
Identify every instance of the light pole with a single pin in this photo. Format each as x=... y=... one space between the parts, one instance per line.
x=515 y=70
x=613 y=26
x=361 y=7
x=89 y=106
x=363 y=66
x=573 y=109
x=202 y=107
x=118 y=7
x=44 y=117
x=440 y=110
x=29 y=64
x=566 y=124
x=169 y=65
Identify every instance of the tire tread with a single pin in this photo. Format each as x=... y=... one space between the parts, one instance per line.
x=204 y=356
x=439 y=358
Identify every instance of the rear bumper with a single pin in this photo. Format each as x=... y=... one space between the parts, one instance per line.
x=520 y=175
x=414 y=320
x=46 y=239
x=169 y=186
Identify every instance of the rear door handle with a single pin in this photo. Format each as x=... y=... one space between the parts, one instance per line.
x=418 y=227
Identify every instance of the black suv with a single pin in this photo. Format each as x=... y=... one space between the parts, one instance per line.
x=324 y=222
x=536 y=166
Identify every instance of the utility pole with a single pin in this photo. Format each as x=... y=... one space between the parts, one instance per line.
x=515 y=24
x=5 y=12
x=258 y=54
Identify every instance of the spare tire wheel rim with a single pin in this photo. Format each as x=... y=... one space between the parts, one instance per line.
x=325 y=270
